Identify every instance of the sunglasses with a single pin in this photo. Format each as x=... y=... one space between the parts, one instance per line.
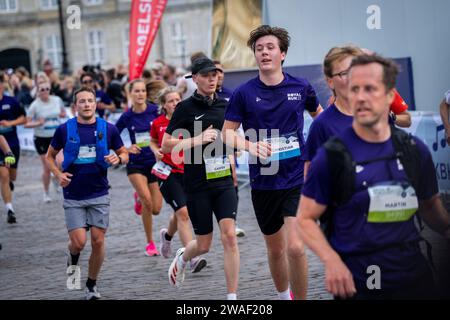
x=87 y=81
x=44 y=89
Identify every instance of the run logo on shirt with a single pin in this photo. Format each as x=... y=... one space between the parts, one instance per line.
x=294 y=96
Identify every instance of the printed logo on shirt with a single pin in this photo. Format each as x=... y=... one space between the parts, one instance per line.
x=297 y=96
x=399 y=165
x=6 y=107
x=359 y=168
x=258 y=99
x=198 y=117
x=161 y=129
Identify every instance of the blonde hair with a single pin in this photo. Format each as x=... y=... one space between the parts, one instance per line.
x=162 y=97
x=153 y=88
x=337 y=54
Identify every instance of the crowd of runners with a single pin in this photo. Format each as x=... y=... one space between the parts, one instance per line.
x=351 y=192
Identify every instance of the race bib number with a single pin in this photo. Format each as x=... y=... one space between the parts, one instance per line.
x=284 y=147
x=86 y=155
x=392 y=203
x=217 y=167
x=161 y=170
x=51 y=124
x=142 y=139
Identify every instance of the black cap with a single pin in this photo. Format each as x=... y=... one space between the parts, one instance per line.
x=203 y=65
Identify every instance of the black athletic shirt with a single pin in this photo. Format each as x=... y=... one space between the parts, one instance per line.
x=195 y=115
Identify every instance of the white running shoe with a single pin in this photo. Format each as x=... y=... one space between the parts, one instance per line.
x=92 y=295
x=239 y=232
x=197 y=264
x=176 y=272
x=165 y=245
x=47 y=198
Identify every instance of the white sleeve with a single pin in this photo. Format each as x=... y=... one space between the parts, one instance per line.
x=447 y=97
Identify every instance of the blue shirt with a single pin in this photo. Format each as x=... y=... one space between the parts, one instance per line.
x=360 y=243
x=10 y=109
x=89 y=180
x=139 y=125
x=101 y=96
x=280 y=107
x=224 y=93
x=329 y=123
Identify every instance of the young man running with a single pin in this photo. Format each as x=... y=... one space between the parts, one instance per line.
x=270 y=108
x=86 y=141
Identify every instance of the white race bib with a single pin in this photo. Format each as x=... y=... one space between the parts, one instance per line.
x=142 y=139
x=284 y=147
x=161 y=170
x=87 y=154
x=392 y=203
x=217 y=167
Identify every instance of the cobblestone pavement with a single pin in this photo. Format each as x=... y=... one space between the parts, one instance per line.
x=33 y=258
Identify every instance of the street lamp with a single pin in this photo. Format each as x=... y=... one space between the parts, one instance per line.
x=65 y=63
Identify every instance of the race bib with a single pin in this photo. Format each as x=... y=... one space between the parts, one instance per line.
x=142 y=139
x=284 y=147
x=5 y=129
x=161 y=170
x=217 y=167
x=51 y=124
x=86 y=155
x=392 y=203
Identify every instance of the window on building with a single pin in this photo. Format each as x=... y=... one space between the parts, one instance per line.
x=178 y=38
x=93 y=2
x=96 y=47
x=53 y=49
x=8 y=5
x=49 y=4
x=126 y=43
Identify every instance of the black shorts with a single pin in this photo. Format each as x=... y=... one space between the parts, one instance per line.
x=145 y=172
x=16 y=152
x=201 y=205
x=41 y=144
x=172 y=191
x=271 y=206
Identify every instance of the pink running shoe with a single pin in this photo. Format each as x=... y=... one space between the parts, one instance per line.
x=137 y=204
x=151 y=250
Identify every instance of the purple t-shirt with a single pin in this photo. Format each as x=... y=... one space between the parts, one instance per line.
x=101 y=96
x=391 y=245
x=280 y=107
x=224 y=93
x=89 y=180
x=138 y=125
x=327 y=124
x=10 y=109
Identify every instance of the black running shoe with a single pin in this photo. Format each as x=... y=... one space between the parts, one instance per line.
x=11 y=217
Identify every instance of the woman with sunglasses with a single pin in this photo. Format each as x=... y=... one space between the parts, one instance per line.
x=45 y=115
x=138 y=120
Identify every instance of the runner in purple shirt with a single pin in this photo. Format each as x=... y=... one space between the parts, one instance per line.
x=86 y=141
x=138 y=120
x=338 y=115
x=270 y=108
x=372 y=248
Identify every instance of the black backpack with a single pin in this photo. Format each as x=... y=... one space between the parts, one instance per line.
x=342 y=169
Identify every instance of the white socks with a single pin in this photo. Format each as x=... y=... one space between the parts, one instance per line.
x=285 y=295
x=231 y=296
x=9 y=206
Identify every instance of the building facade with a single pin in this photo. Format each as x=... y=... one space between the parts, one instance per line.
x=30 y=32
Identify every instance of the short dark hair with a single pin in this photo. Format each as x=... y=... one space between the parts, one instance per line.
x=82 y=89
x=390 y=68
x=265 y=30
x=87 y=74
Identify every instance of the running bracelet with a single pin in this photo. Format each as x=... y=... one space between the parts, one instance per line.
x=10 y=159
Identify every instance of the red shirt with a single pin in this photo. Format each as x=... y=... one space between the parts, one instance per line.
x=398 y=105
x=157 y=132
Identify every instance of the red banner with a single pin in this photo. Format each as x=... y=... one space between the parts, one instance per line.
x=144 y=23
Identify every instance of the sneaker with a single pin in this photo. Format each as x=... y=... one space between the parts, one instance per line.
x=151 y=250
x=197 y=264
x=239 y=232
x=47 y=198
x=176 y=272
x=137 y=204
x=92 y=294
x=165 y=245
x=11 y=217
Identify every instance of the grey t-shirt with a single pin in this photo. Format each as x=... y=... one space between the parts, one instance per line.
x=49 y=111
